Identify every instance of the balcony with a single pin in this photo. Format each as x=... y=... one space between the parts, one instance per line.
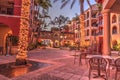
x=94 y=24
x=93 y=16
x=87 y=37
x=6 y=10
x=100 y=33
x=7 y=7
x=100 y=23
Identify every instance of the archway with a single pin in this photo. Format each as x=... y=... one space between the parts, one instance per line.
x=56 y=43
x=4 y=31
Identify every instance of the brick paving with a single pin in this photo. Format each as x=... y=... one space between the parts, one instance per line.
x=63 y=67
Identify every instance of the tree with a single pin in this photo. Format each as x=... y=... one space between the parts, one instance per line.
x=39 y=14
x=21 y=58
x=64 y=2
x=59 y=22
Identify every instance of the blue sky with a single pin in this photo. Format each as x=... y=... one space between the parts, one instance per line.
x=66 y=11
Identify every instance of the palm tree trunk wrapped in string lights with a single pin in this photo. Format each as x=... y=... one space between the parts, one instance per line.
x=21 y=58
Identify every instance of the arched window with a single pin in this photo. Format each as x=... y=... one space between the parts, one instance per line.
x=114 y=19
x=114 y=30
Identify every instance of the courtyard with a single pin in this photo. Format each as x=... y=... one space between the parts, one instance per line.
x=62 y=66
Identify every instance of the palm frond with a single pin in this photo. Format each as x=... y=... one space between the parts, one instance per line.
x=73 y=2
x=55 y=1
x=63 y=1
x=89 y=4
x=64 y=4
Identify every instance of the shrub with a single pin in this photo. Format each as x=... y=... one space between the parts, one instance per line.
x=32 y=46
x=72 y=47
x=116 y=47
x=14 y=40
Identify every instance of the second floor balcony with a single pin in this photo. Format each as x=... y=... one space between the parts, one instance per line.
x=100 y=23
x=6 y=10
x=7 y=7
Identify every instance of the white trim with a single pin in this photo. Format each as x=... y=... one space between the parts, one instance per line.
x=5 y=15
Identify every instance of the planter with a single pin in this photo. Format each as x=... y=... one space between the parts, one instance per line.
x=115 y=53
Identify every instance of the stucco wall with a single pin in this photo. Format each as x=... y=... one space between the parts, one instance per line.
x=12 y=22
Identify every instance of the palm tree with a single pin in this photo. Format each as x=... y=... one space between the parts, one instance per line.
x=39 y=14
x=64 y=2
x=21 y=58
x=59 y=22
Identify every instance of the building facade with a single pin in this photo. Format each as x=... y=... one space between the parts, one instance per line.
x=10 y=11
x=56 y=37
x=104 y=27
x=90 y=24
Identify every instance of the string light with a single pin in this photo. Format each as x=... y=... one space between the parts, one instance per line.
x=82 y=40
x=24 y=30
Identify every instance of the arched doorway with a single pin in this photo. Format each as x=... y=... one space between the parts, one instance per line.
x=4 y=31
x=56 y=43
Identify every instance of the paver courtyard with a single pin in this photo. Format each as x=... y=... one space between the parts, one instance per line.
x=62 y=67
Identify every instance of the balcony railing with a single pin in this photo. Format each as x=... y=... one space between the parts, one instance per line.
x=100 y=33
x=93 y=16
x=6 y=10
x=94 y=24
x=100 y=23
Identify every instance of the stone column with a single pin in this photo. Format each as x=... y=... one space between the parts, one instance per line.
x=106 y=33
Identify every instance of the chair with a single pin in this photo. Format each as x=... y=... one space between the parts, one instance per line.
x=117 y=65
x=82 y=56
x=98 y=64
x=76 y=55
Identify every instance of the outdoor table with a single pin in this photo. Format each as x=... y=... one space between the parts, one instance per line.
x=107 y=57
x=103 y=56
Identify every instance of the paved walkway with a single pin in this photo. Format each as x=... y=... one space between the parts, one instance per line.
x=62 y=67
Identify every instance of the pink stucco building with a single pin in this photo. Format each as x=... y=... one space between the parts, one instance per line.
x=10 y=11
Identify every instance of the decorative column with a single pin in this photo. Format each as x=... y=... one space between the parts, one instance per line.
x=106 y=34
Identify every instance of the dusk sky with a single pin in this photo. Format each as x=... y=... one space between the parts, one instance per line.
x=66 y=11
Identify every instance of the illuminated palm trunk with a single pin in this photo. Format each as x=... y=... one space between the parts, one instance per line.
x=21 y=58
x=82 y=32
